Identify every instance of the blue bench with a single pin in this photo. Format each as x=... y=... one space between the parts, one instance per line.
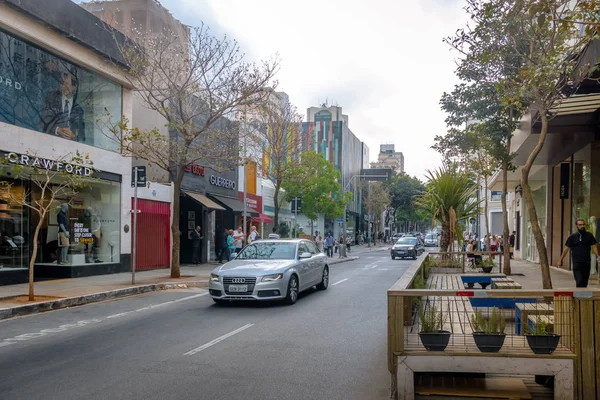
x=483 y=279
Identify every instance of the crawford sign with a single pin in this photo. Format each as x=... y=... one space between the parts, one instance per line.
x=222 y=182
x=44 y=163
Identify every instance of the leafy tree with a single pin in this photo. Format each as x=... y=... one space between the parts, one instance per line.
x=479 y=133
x=534 y=47
x=403 y=191
x=48 y=185
x=316 y=182
x=449 y=198
x=193 y=83
x=376 y=200
x=280 y=142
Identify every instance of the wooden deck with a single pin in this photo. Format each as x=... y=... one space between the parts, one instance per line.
x=458 y=312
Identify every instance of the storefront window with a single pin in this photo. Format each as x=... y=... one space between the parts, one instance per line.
x=93 y=220
x=581 y=185
x=14 y=228
x=538 y=184
x=41 y=92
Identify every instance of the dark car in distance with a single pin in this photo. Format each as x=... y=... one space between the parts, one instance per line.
x=407 y=247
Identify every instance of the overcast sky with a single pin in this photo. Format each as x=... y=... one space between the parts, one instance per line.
x=382 y=61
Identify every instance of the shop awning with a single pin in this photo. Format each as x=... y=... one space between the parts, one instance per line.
x=234 y=205
x=262 y=218
x=205 y=201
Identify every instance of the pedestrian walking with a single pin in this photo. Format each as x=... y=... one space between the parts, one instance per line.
x=196 y=248
x=493 y=245
x=511 y=242
x=274 y=234
x=253 y=236
x=329 y=243
x=581 y=244
x=221 y=245
x=238 y=235
x=230 y=244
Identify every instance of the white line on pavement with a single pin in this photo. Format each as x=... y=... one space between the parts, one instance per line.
x=157 y=305
x=338 y=282
x=45 y=332
x=217 y=340
x=383 y=269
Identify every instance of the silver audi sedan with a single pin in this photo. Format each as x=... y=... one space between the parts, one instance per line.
x=270 y=270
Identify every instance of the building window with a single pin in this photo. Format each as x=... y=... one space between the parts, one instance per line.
x=41 y=92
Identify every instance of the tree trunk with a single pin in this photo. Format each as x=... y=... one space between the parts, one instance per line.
x=505 y=234
x=175 y=266
x=34 y=255
x=445 y=239
x=533 y=217
x=485 y=211
x=312 y=228
x=276 y=204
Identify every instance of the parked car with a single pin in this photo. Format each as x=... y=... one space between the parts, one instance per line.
x=431 y=240
x=270 y=270
x=407 y=247
x=397 y=236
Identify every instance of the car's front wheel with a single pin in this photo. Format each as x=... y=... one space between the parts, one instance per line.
x=325 y=279
x=292 y=292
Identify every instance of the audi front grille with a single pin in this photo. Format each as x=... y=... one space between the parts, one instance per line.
x=239 y=280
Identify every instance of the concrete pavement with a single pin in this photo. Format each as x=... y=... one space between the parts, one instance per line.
x=179 y=345
x=57 y=294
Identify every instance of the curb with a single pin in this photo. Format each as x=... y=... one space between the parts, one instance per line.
x=94 y=298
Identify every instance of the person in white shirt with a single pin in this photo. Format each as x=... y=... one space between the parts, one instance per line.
x=253 y=236
x=274 y=235
x=238 y=236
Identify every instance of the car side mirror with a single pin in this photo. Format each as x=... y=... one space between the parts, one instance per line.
x=306 y=254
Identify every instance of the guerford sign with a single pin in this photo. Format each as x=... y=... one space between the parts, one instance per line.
x=44 y=163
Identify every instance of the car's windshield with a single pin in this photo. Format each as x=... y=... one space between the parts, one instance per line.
x=430 y=237
x=268 y=251
x=407 y=240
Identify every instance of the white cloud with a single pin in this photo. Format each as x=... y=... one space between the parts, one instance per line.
x=383 y=61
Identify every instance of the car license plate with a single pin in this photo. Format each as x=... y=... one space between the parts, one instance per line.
x=401 y=251
x=238 y=288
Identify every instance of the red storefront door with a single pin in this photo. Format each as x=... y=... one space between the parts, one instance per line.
x=153 y=234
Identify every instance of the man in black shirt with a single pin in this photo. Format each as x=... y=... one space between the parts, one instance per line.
x=580 y=243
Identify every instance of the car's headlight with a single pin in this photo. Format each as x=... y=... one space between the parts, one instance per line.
x=411 y=248
x=214 y=278
x=270 y=278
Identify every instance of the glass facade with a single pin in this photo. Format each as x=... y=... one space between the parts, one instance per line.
x=92 y=219
x=538 y=184
x=41 y=92
x=582 y=179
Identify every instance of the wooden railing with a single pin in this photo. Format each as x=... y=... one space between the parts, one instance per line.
x=464 y=259
x=576 y=317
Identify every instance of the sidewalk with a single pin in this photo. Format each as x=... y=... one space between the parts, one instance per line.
x=56 y=294
x=532 y=276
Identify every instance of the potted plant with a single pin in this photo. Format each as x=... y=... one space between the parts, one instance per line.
x=486 y=264
x=432 y=335
x=489 y=333
x=541 y=341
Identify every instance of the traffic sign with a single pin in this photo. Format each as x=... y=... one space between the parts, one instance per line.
x=141 y=176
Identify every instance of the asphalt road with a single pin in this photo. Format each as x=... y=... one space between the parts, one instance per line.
x=179 y=345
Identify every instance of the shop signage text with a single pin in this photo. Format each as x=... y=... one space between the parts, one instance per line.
x=222 y=182
x=195 y=169
x=43 y=163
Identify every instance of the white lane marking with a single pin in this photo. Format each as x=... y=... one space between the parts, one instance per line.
x=157 y=305
x=338 y=282
x=217 y=340
x=383 y=269
x=62 y=328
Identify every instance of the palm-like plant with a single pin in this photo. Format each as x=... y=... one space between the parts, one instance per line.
x=449 y=198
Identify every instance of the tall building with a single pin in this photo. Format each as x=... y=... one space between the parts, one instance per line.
x=138 y=17
x=389 y=158
x=56 y=84
x=327 y=132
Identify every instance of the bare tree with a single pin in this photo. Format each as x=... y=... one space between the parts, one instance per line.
x=194 y=85
x=279 y=140
x=51 y=181
x=377 y=198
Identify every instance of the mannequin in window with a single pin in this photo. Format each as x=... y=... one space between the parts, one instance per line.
x=63 y=233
